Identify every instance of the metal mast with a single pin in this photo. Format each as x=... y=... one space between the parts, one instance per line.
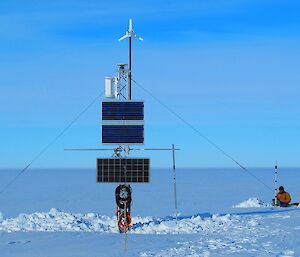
x=129 y=73
x=129 y=34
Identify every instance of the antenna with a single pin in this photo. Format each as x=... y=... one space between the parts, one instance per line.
x=129 y=34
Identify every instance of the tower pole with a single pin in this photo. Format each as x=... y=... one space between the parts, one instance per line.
x=174 y=181
x=129 y=75
x=275 y=182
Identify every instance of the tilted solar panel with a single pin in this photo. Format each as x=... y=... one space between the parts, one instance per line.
x=123 y=170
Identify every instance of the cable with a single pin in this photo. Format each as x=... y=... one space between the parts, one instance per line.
x=202 y=135
x=50 y=144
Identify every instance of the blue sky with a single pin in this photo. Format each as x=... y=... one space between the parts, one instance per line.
x=228 y=67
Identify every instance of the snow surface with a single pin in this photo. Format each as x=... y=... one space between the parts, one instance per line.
x=64 y=213
x=244 y=234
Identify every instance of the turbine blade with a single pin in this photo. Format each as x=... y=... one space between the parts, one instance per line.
x=122 y=38
x=136 y=36
x=130 y=24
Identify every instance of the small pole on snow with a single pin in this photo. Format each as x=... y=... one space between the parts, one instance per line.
x=275 y=182
x=174 y=180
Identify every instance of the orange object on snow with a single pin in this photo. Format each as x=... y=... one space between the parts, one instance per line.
x=284 y=197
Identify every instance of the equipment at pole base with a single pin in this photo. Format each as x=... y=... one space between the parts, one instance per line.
x=123 y=200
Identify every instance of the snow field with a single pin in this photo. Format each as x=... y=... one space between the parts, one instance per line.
x=240 y=235
x=231 y=235
x=252 y=233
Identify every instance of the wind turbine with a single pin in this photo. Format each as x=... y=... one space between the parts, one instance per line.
x=129 y=34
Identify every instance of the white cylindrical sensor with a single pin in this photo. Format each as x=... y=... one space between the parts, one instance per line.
x=109 y=87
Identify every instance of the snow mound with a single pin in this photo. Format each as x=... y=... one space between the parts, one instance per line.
x=252 y=203
x=56 y=220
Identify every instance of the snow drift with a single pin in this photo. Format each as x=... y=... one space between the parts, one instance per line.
x=252 y=203
x=56 y=220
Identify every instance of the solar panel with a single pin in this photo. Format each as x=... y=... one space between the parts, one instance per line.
x=122 y=110
x=122 y=122
x=122 y=134
x=123 y=170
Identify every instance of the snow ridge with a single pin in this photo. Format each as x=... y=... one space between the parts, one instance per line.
x=56 y=220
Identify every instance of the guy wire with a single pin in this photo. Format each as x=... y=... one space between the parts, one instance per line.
x=46 y=147
x=202 y=135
